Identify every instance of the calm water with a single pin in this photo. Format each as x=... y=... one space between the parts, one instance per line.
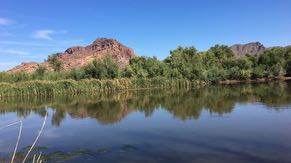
x=241 y=123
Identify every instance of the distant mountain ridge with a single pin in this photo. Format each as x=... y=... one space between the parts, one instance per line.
x=78 y=56
x=249 y=48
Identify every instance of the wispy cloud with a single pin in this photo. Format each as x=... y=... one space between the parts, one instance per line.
x=62 y=43
x=25 y=43
x=5 y=21
x=7 y=65
x=12 y=51
x=44 y=34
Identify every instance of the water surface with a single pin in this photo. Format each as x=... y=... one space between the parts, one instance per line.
x=239 y=123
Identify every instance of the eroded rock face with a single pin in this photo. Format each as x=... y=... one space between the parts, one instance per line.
x=25 y=67
x=250 y=48
x=77 y=57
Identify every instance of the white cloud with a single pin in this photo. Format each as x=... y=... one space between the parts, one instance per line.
x=5 y=21
x=12 y=51
x=44 y=34
x=20 y=43
x=60 y=43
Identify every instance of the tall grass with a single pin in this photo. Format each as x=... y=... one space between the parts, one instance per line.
x=50 y=88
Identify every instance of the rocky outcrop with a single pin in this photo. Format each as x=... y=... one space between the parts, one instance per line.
x=250 y=48
x=77 y=57
x=29 y=67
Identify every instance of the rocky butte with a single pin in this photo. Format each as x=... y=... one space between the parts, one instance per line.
x=77 y=57
x=250 y=48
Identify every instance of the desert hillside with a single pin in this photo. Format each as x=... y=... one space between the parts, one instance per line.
x=78 y=56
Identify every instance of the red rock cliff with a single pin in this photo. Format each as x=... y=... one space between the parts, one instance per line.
x=77 y=57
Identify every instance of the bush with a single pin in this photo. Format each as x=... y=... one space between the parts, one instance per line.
x=106 y=68
x=215 y=75
x=39 y=72
x=55 y=63
x=77 y=74
x=258 y=72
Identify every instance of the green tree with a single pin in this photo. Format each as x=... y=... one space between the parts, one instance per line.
x=274 y=62
x=181 y=61
x=39 y=72
x=287 y=56
x=105 y=68
x=258 y=72
x=77 y=74
x=55 y=63
x=147 y=67
x=221 y=52
x=127 y=72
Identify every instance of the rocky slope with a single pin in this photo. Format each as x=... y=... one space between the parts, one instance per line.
x=250 y=48
x=77 y=57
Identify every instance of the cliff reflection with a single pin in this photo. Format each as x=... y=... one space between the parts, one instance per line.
x=112 y=107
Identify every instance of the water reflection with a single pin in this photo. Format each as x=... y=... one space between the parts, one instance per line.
x=213 y=124
x=112 y=107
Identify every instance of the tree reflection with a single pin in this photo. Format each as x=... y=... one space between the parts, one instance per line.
x=112 y=107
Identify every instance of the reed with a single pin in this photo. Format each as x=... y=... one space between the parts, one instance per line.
x=50 y=88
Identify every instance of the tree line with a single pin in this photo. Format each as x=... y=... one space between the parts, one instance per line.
x=216 y=64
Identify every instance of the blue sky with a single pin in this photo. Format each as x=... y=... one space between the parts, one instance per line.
x=32 y=29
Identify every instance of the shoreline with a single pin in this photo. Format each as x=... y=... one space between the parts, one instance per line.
x=259 y=80
x=93 y=86
x=51 y=88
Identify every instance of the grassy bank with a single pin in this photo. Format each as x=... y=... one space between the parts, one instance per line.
x=94 y=86
x=50 y=88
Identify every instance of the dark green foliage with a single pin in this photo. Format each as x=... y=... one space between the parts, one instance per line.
x=287 y=56
x=39 y=72
x=145 y=67
x=183 y=67
x=221 y=52
x=106 y=68
x=288 y=67
x=258 y=72
x=274 y=61
x=77 y=74
x=181 y=62
x=127 y=72
x=272 y=56
x=55 y=63
x=216 y=74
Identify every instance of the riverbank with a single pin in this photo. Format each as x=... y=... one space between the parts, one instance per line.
x=259 y=80
x=50 y=88
x=93 y=86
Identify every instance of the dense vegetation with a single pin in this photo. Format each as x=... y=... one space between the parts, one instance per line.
x=183 y=64
x=216 y=64
x=51 y=88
